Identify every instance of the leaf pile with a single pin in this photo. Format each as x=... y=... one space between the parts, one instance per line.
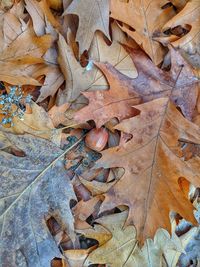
x=102 y=169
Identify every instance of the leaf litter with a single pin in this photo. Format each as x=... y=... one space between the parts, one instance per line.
x=101 y=168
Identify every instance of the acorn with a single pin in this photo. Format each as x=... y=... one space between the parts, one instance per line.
x=96 y=139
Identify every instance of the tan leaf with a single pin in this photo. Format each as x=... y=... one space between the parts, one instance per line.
x=38 y=123
x=97 y=19
x=189 y=15
x=83 y=210
x=76 y=257
x=153 y=164
x=57 y=114
x=98 y=232
x=172 y=256
x=91 y=79
x=53 y=80
x=115 y=54
x=117 y=250
x=96 y=188
x=145 y=18
x=19 y=62
x=77 y=79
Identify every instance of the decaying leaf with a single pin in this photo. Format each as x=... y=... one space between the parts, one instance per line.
x=145 y=18
x=97 y=19
x=153 y=165
x=98 y=232
x=115 y=102
x=28 y=197
x=122 y=65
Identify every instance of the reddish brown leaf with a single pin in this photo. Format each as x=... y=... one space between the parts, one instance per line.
x=115 y=102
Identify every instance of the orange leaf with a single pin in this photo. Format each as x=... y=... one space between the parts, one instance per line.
x=150 y=185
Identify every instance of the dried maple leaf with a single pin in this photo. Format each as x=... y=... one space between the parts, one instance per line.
x=189 y=16
x=115 y=102
x=145 y=18
x=97 y=18
x=28 y=197
x=153 y=165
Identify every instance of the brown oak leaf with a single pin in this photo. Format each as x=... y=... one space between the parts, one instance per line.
x=141 y=20
x=115 y=102
x=153 y=164
x=97 y=19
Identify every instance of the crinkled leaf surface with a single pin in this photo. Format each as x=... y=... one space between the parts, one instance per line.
x=153 y=164
x=27 y=199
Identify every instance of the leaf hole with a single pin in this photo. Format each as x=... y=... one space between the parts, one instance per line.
x=72 y=203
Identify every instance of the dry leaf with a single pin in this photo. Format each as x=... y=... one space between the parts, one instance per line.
x=19 y=63
x=28 y=198
x=96 y=188
x=189 y=16
x=76 y=257
x=116 y=251
x=83 y=210
x=115 y=102
x=37 y=123
x=153 y=252
x=153 y=165
x=97 y=19
x=57 y=114
x=180 y=83
x=141 y=21
x=115 y=54
x=98 y=232
x=77 y=79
